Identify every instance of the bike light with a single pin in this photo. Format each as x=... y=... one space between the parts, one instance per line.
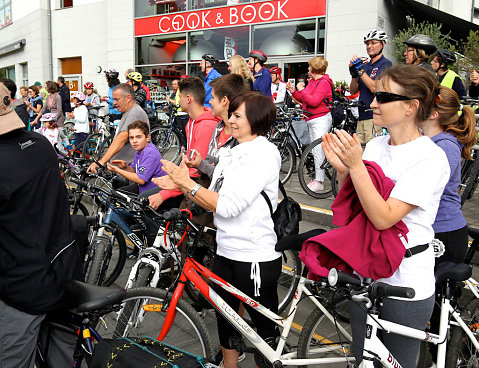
x=333 y=277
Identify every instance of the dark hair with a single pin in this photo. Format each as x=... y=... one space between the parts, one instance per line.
x=230 y=86
x=416 y=82
x=34 y=88
x=260 y=111
x=463 y=126
x=125 y=89
x=52 y=87
x=61 y=79
x=139 y=125
x=193 y=87
x=11 y=86
x=112 y=82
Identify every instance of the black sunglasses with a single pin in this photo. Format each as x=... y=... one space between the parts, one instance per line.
x=384 y=97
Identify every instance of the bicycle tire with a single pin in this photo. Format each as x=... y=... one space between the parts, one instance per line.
x=80 y=207
x=188 y=331
x=289 y=278
x=92 y=145
x=320 y=332
x=288 y=159
x=169 y=144
x=93 y=270
x=334 y=183
x=104 y=147
x=306 y=172
x=460 y=350
x=118 y=255
x=471 y=182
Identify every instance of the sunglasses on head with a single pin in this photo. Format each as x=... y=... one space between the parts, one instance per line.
x=384 y=97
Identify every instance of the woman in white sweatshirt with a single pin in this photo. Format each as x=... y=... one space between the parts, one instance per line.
x=245 y=236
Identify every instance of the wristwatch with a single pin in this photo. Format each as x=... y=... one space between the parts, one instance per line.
x=360 y=72
x=195 y=189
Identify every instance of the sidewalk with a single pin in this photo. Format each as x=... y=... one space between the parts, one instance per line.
x=318 y=211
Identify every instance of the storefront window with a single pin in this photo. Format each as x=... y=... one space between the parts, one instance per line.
x=160 y=76
x=160 y=49
x=144 y=8
x=222 y=43
x=285 y=38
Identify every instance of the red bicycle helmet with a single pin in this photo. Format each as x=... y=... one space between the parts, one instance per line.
x=88 y=85
x=275 y=70
x=258 y=54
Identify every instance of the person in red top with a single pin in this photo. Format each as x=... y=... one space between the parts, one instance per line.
x=312 y=98
x=199 y=130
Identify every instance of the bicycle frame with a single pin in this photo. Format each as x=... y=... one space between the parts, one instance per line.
x=192 y=271
x=374 y=345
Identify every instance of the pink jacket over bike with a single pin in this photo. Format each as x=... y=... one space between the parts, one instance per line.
x=357 y=245
x=313 y=95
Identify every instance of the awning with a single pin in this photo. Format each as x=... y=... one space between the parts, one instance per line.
x=12 y=47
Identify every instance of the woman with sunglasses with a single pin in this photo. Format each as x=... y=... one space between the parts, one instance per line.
x=405 y=96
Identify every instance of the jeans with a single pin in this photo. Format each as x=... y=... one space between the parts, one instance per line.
x=317 y=128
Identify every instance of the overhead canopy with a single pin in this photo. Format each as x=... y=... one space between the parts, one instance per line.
x=458 y=27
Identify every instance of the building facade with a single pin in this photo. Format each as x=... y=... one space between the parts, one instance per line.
x=43 y=39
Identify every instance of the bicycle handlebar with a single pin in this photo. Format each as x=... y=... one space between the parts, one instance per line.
x=381 y=290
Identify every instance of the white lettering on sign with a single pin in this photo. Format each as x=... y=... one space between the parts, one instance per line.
x=204 y=21
x=193 y=24
x=266 y=14
x=177 y=20
x=248 y=11
x=159 y=24
x=280 y=9
x=234 y=15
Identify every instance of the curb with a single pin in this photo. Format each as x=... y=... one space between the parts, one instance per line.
x=317 y=215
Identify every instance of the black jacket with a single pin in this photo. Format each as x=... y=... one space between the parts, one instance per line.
x=65 y=95
x=37 y=251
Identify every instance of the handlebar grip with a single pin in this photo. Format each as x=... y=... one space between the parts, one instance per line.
x=119 y=195
x=172 y=214
x=380 y=289
x=80 y=182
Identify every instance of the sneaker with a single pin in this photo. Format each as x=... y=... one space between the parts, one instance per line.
x=242 y=357
x=315 y=186
x=132 y=255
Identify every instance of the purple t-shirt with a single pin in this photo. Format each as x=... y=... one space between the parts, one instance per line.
x=449 y=215
x=147 y=165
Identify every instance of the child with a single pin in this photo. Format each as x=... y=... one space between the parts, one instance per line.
x=146 y=163
x=80 y=118
x=52 y=133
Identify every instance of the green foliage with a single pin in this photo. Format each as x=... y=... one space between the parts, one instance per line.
x=431 y=30
x=468 y=56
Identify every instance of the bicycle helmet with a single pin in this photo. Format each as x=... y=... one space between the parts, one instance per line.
x=446 y=56
x=135 y=76
x=210 y=58
x=423 y=42
x=376 y=34
x=49 y=117
x=88 y=85
x=79 y=95
x=275 y=70
x=112 y=73
x=258 y=54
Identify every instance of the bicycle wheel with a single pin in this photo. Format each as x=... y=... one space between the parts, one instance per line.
x=92 y=145
x=289 y=279
x=141 y=315
x=460 y=350
x=307 y=172
x=320 y=337
x=334 y=183
x=104 y=147
x=288 y=159
x=77 y=208
x=169 y=143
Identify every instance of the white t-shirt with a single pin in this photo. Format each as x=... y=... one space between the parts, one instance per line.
x=81 y=119
x=420 y=171
x=280 y=91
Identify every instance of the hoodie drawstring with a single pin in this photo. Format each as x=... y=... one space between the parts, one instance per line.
x=256 y=277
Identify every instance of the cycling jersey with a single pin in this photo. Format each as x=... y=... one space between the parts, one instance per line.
x=140 y=97
x=213 y=74
x=278 y=92
x=262 y=82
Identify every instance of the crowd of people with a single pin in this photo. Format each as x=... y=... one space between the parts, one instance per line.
x=227 y=165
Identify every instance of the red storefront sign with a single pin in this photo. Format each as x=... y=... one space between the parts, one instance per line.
x=258 y=12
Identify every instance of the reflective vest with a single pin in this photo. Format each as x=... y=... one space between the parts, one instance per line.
x=448 y=79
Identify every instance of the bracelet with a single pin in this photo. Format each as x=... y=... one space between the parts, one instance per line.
x=195 y=189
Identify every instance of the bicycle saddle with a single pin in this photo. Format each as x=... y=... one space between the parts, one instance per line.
x=295 y=242
x=473 y=233
x=87 y=298
x=452 y=271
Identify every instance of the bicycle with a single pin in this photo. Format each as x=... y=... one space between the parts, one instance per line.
x=89 y=305
x=306 y=168
x=135 y=316
x=98 y=142
x=462 y=344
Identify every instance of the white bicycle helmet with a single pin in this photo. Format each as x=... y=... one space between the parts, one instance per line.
x=49 y=117
x=79 y=95
x=376 y=34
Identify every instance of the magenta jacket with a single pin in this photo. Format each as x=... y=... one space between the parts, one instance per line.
x=312 y=97
x=357 y=245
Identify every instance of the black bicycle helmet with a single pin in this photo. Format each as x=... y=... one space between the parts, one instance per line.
x=446 y=56
x=210 y=58
x=112 y=73
x=423 y=42
x=258 y=54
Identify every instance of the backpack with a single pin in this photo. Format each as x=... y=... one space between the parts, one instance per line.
x=287 y=216
x=337 y=111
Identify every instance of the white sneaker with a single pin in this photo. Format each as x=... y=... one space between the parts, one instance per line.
x=315 y=186
x=241 y=357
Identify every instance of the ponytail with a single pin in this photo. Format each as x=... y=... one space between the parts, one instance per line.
x=462 y=126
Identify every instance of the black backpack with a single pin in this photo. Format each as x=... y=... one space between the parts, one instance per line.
x=287 y=216
x=337 y=111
